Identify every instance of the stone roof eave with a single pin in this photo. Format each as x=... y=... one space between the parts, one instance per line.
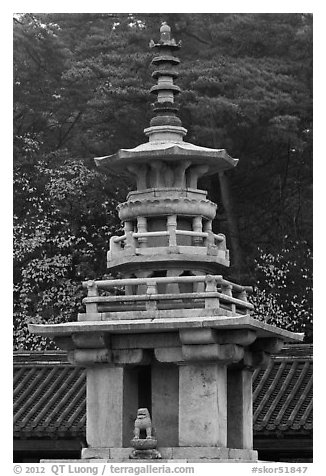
x=216 y=159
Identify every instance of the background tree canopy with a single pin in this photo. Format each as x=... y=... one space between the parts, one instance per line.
x=81 y=89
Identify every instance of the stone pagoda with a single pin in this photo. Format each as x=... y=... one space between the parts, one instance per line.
x=177 y=339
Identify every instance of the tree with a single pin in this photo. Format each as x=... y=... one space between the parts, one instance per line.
x=283 y=295
x=61 y=229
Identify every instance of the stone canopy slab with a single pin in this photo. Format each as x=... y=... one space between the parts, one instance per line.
x=262 y=329
x=216 y=159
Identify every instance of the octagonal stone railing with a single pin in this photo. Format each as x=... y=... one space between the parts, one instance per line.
x=141 y=295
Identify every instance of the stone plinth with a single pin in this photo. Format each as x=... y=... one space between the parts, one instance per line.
x=189 y=454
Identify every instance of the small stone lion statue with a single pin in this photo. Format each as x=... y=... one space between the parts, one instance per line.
x=143 y=422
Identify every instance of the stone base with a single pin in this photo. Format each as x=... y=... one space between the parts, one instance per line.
x=145 y=454
x=193 y=454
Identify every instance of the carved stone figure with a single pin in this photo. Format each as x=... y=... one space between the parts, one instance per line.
x=144 y=448
x=143 y=422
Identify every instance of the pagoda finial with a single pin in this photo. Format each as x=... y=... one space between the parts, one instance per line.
x=165 y=108
x=165 y=31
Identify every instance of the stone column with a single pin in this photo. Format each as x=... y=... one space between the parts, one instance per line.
x=197 y=225
x=209 y=241
x=165 y=403
x=203 y=404
x=171 y=228
x=240 y=409
x=142 y=228
x=112 y=402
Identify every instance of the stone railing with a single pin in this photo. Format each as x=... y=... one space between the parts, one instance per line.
x=138 y=243
x=141 y=294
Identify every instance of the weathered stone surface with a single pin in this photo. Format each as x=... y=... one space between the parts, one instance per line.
x=201 y=452
x=191 y=454
x=91 y=340
x=269 y=345
x=138 y=461
x=228 y=353
x=197 y=336
x=202 y=405
x=179 y=311
x=242 y=337
x=253 y=359
x=145 y=454
x=165 y=403
x=243 y=454
x=97 y=453
x=144 y=443
x=131 y=356
x=120 y=453
x=240 y=409
x=104 y=407
x=162 y=205
x=169 y=354
x=145 y=341
x=110 y=414
x=150 y=324
x=85 y=357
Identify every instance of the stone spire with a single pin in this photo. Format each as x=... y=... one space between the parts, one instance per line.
x=165 y=63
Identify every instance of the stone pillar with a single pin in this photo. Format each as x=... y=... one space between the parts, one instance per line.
x=171 y=228
x=240 y=409
x=130 y=243
x=142 y=228
x=209 y=241
x=112 y=402
x=197 y=225
x=203 y=405
x=165 y=403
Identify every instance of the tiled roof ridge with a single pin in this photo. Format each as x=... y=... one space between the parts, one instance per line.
x=40 y=357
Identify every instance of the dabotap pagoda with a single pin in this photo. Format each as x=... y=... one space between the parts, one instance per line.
x=179 y=340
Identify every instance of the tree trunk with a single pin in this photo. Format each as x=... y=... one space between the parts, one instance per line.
x=236 y=258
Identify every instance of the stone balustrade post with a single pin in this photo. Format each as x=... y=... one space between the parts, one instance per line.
x=114 y=247
x=197 y=226
x=210 y=286
x=92 y=291
x=172 y=288
x=242 y=296
x=151 y=289
x=171 y=227
x=142 y=228
x=209 y=241
x=130 y=243
x=227 y=290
